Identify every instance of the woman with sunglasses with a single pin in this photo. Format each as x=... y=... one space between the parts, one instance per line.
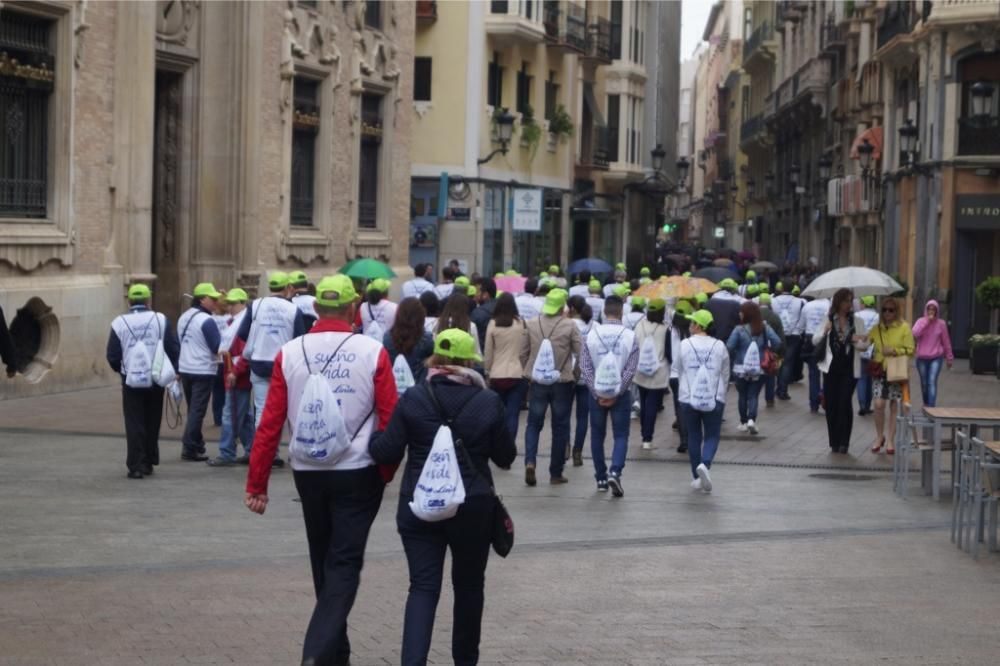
x=890 y=338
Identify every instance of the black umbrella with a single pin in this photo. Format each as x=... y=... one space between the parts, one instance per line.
x=715 y=273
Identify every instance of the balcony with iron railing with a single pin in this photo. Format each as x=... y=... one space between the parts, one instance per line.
x=594 y=142
x=565 y=29
x=761 y=44
x=516 y=21
x=899 y=18
x=598 y=44
x=979 y=137
x=752 y=128
x=833 y=36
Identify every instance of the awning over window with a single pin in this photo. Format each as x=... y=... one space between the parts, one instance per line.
x=591 y=102
x=874 y=136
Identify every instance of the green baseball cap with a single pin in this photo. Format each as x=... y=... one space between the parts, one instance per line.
x=497 y=275
x=621 y=291
x=456 y=344
x=656 y=304
x=868 y=300
x=298 y=278
x=553 y=269
x=764 y=288
x=638 y=303
x=728 y=283
x=751 y=274
x=462 y=281
x=594 y=285
x=764 y=299
x=684 y=307
x=380 y=285
x=796 y=291
x=277 y=280
x=701 y=297
x=335 y=290
x=203 y=289
x=702 y=317
x=512 y=273
x=620 y=266
x=543 y=275
x=555 y=301
x=686 y=274
x=139 y=292
x=753 y=289
x=237 y=295
x=779 y=286
x=471 y=291
x=644 y=271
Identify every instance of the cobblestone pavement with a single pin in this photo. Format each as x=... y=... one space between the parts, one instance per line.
x=780 y=565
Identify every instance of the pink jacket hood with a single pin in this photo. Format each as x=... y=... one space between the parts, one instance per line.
x=932 y=336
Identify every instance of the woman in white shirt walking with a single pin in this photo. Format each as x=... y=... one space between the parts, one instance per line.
x=653 y=371
x=703 y=374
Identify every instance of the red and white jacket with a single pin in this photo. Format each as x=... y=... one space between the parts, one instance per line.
x=361 y=373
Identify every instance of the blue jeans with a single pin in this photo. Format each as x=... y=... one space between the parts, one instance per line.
x=513 y=398
x=649 y=405
x=259 y=385
x=243 y=420
x=929 y=369
x=582 y=395
x=621 y=412
x=218 y=397
x=815 y=384
x=749 y=393
x=769 y=382
x=865 y=388
x=793 y=351
x=702 y=428
x=560 y=397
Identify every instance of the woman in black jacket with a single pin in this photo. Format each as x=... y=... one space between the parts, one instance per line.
x=408 y=337
x=480 y=432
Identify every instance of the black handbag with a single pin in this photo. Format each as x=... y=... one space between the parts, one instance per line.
x=502 y=532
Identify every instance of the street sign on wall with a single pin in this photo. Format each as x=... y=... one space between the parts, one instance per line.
x=527 y=205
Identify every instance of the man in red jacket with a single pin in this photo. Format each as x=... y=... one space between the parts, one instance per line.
x=340 y=496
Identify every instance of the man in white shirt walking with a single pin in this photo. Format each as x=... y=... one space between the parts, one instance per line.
x=814 y=316
x=789 y=310
x=198 y=364
x=420 y=282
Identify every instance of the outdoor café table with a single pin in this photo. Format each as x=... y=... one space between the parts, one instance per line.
x=954 y=416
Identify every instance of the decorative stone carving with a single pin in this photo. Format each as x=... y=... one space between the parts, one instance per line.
x=304 y=246
x=174 y=20
x=80 y=26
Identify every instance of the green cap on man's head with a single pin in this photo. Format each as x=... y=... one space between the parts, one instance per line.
x=868 y=301
x=512 y=273
x=298 y=279
x=684 y=307
x=462 y=282
x=553 y=269
x=544 y=275
x=729 y=283
x=237 y=295
x=278 y=280
x=381 y=285
x=638 y=303
x=334 y=291
x=655 y=304
x=139 y=292
x=644 y=271
x=454 y=343
x=751 y=274
x=594 y=285
x=621 y=291
x=702 y=317
x=555 y=301
x=753 y=289
x=779 y=286
x=686 y=274
x=203 y=289
x=796 y=291
x=701 y=298
x=764 y=299
x=764 y=288
x=620 y=266
x=472 y=291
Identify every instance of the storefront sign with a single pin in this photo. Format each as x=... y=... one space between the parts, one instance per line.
x=460 y=214
x=720 y=232
x=977 y=212
x=527 y=204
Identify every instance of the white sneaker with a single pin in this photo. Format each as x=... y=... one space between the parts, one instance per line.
x=704 y=477
x=752 y=427
x=741 y=427
x=696 y=484
x=647 y=446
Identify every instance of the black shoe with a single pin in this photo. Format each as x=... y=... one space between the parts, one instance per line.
x=147 y=470
x=277 y=463
x=577 y=458
x=558 y=480
x=529 y=475
x=675 y=426
x=784 y=397
x=682 y=449
x=193 y=457
x=615 y=483
x=770 y=403
x=134 y=474
x=602 y=485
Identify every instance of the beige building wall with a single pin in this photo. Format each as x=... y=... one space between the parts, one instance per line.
x=170 y=161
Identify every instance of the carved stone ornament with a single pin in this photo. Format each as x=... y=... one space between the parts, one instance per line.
x=303 y=247
x=80 y=26
x=174 y=20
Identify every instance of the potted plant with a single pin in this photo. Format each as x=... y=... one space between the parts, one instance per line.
x=983 y=350
x=531 y=132
x=561 y=125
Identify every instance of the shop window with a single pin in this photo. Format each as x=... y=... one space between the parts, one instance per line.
x=422 y=79
x=494 y=82
x=371 y=144
x=25 y=91
x=305 y=129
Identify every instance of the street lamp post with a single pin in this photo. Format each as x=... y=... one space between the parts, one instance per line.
x=982 y=100
x=505 y=130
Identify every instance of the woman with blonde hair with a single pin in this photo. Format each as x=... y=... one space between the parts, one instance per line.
x=890 y=338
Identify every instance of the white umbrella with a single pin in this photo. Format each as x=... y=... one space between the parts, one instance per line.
x=862 y=281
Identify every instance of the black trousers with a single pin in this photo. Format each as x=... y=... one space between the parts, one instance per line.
x=338 y=508
x=838 y=392
x=468 y=537
x=143 y=411
x=197 y=392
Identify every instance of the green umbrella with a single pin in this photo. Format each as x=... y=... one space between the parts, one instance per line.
x=368 y=269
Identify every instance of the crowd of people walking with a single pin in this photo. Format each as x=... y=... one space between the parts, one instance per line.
x=443 y=375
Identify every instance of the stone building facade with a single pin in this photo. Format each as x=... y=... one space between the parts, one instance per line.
x=178 y=142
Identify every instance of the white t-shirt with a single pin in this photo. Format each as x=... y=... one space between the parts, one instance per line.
x=527 y=306
x=815 y=313
x=695 y=350
x=413 y=288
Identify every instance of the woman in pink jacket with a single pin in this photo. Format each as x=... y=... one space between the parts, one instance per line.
x=933 y=348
